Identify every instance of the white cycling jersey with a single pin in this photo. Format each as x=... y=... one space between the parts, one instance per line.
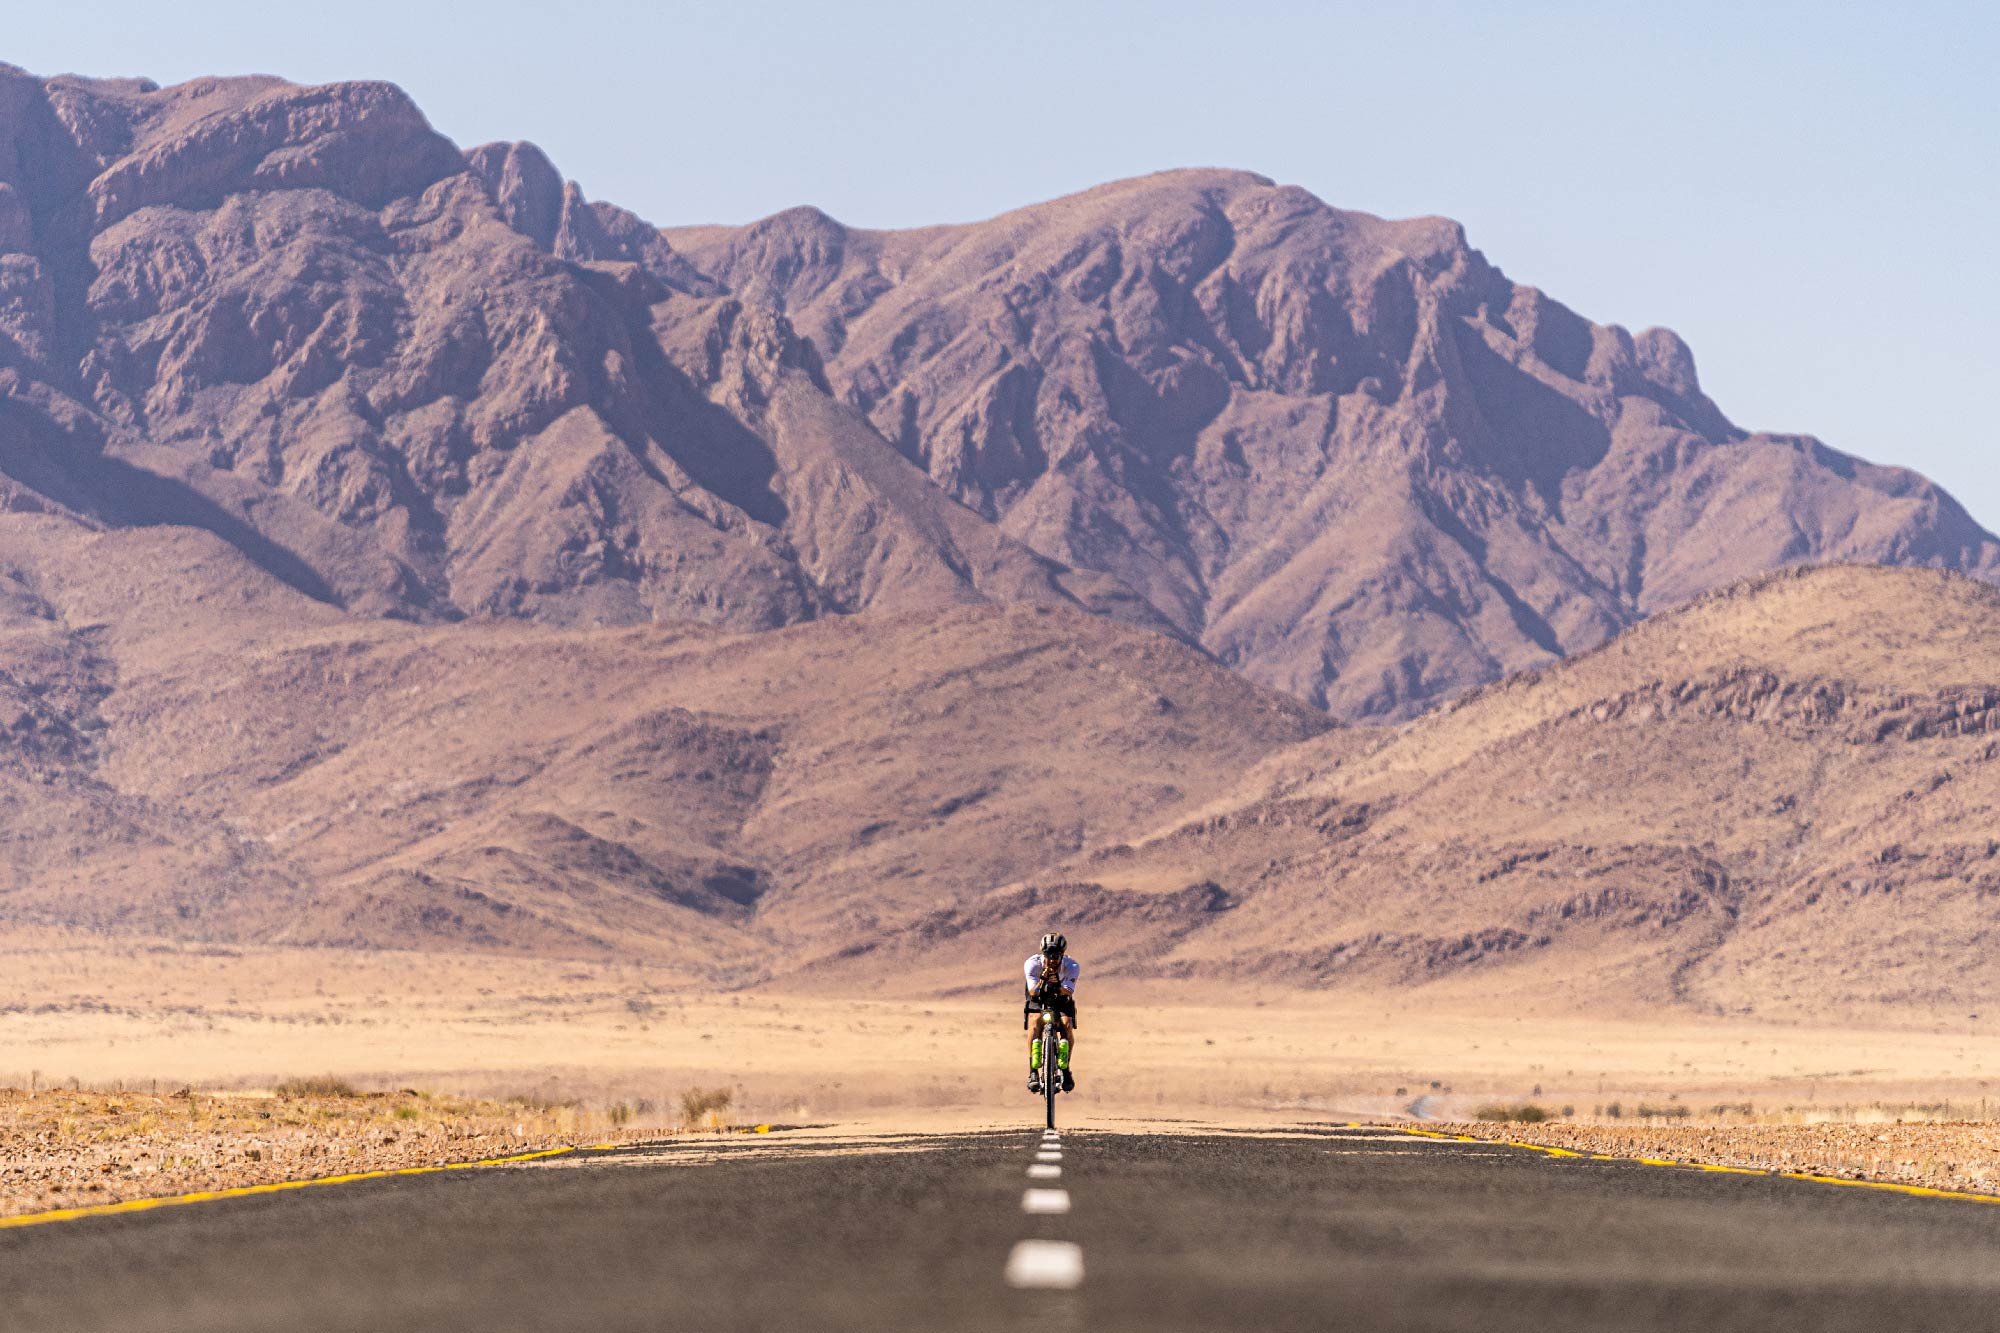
x=1070 y=969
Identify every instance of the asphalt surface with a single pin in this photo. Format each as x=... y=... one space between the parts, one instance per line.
x=1335 y=1228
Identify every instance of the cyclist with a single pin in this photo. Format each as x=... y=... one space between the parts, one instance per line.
x=1051 y=975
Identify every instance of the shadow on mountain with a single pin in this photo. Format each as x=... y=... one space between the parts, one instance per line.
x=1541 y=435
x=31 y=455
x=725 y=457
x=133 y=496
x=721 y=454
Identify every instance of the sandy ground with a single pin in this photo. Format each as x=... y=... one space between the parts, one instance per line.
x=162 y=1018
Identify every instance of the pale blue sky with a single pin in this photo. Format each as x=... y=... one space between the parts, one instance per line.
x=1807 y=192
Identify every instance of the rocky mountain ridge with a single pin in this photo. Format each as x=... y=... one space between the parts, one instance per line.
x=1345 y=455
x=421 y=383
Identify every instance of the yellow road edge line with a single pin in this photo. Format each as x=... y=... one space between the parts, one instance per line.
x=1921 y=1191
x=244 y=1191
x=1894 y=1187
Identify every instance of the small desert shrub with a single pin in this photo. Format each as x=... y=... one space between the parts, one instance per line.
x=619 y=1113
x=1527 y=1113
x=698 y=1102
x=406 y=1113
x=320 y=1085
x=543 y=1105
x=1671 y=1111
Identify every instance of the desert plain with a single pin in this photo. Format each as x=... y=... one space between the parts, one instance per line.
x=156 y=1069
x=248 y=1018
x=461 y=643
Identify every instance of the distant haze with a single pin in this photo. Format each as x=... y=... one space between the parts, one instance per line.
x=1806 y=195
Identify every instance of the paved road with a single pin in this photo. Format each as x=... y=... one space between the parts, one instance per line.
x=1335 y=1228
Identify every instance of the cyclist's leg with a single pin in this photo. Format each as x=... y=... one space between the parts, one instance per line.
x=1034 y=1041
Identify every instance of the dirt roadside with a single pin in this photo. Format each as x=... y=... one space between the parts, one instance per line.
x=1949 y=1155
x=64 y=1149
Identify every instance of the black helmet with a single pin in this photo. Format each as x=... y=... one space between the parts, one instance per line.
x=1053 y=945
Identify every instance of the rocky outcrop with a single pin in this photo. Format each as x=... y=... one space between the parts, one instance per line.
x=420 y=383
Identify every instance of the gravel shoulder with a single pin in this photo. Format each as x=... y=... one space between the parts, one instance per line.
x=1949 y=1155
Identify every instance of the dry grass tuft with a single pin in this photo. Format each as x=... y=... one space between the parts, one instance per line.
x=1528 y=1113
x=705 y=1105
x=319 y=1085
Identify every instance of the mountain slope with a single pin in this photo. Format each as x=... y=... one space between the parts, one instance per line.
x=191 y=748
x=1347 y=455
x=1777 y=799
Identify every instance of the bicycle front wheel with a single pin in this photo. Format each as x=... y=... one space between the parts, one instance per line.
x=1049 y=1074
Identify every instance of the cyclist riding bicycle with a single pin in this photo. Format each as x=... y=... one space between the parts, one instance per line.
x=1051 y=976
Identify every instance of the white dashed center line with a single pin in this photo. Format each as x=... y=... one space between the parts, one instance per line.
x=1045 y=1264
